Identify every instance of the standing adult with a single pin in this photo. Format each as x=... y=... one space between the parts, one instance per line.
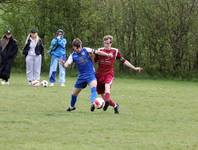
x=8 y=51
x=33 y=52
x=57 y=53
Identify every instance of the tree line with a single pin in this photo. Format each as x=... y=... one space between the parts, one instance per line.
x=159 y=35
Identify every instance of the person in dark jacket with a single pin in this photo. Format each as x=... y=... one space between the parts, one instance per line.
x=8 y=52
x=33 y=52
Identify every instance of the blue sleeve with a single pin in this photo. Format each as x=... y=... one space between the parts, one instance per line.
x=62 y=42
x=53 y=43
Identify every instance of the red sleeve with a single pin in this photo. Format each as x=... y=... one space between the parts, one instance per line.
x=119 y=56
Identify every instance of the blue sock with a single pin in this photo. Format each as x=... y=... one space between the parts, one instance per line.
x=93 y=94
x=73 y=100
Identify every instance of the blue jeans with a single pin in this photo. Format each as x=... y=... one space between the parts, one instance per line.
x=53 y=67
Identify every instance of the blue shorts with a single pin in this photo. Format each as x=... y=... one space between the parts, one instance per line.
x=81 y=83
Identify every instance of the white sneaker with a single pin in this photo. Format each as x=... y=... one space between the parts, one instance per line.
x=5 y=83
x=51 y=84
x=62 y=85
x=2 y=82
x=29 y=83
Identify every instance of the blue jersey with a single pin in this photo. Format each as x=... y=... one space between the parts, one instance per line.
x=84 y=63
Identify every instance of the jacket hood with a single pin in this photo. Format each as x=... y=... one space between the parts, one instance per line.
x=60 y=30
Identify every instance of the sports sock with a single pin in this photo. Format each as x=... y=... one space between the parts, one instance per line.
x=107 y=96
x=73 y=100
x=93 y=94
x=112 y=103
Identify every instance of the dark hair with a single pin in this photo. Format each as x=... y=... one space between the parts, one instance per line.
x=77 y=43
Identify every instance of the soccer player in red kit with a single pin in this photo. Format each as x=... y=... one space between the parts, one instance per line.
x=105 y=71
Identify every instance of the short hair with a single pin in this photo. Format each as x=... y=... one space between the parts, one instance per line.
x=106 y=37
x=77 y=43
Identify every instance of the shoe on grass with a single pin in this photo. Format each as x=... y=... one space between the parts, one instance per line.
x=116 y=109
x=106 y=105
x=70 y=109
x=92 y=107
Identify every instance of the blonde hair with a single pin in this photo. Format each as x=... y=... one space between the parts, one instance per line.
x=106 y=37
x=28 y=37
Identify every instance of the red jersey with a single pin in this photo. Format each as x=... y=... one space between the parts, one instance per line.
x=106 y=64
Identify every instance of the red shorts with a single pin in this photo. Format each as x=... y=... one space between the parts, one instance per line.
x=102 y=80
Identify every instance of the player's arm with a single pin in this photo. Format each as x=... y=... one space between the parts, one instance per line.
x=67 y=63
x=101 y=53
x=127 y=63
x=92 y=52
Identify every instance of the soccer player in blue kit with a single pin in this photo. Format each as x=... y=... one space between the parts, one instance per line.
x=86 y=73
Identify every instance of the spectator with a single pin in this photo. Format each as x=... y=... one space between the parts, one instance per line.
x=33 y=52
x=57 y=53
x=8 y=52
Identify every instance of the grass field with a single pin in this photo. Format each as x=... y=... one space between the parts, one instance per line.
x=154 y=115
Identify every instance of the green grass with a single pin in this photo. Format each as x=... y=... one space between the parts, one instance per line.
x=154 y=115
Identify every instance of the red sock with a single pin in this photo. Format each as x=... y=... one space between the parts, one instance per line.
x=112 y=103
x=107 y=97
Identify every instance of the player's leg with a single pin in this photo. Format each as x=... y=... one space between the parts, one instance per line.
x=93 y=96
x=108 y=81
x=53 y=67
x=114 y=105
x=74 y=96
x=106 y=96
x=79 y=85
x=108 y=100
x=102 y=90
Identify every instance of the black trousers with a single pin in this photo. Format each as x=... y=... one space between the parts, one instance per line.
x=5 y=70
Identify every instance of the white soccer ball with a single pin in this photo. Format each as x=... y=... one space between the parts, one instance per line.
x=44 y=83
x=99 y=102
x=35 y=83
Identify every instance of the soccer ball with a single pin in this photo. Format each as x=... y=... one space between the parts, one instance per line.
x=35 y=83
x=99 y=102
x=44 y=83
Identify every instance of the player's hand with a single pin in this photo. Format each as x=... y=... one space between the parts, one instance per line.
x=139 y=69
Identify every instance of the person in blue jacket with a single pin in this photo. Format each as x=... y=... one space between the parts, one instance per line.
x=57 y=52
